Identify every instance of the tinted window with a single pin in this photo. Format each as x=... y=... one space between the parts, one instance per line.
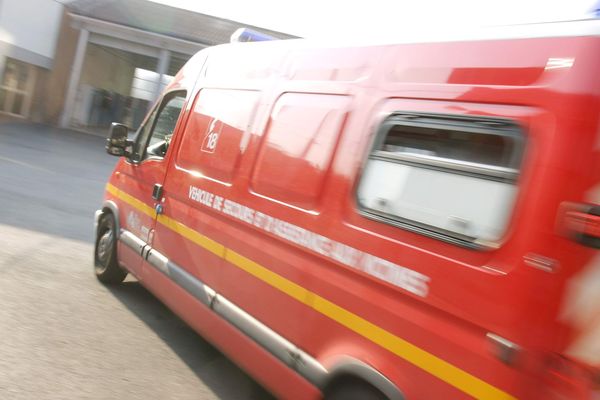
x=475 y=147
x=154 y=136
x=451 y=177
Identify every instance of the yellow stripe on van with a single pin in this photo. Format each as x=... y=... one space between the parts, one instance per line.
x=266 y=275
x=193 y=236
x=443 y=370
x=454 y=376
x=132 y=201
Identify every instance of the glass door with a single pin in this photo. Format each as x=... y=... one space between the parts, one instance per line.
x=16 y=87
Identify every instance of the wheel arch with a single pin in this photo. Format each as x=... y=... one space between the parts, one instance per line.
x=351 y=368
x=110 y=206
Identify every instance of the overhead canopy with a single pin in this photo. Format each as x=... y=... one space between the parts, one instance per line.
x=169 y=21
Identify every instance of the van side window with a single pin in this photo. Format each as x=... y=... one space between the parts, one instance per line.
x=452 y=178
x=214 y=135
x=298 y=147
x=154 y=136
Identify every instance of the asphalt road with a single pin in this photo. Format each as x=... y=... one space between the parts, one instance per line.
x=62 y=334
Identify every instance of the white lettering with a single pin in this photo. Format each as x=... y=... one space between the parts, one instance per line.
x=218 y=203
x=238 y=211
x=407 y=279
x=201 y=196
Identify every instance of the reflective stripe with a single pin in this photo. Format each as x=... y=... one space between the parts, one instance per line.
x=132 y=201
x=420 y=358
x=193 y=236
x=443 y=370
x=277 y=281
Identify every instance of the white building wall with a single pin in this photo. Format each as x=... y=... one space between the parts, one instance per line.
x=29 y=30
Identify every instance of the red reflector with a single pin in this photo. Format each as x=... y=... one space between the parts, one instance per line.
x=580 y=222
x=569 y=379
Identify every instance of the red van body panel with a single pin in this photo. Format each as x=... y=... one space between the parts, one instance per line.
x=260 y=215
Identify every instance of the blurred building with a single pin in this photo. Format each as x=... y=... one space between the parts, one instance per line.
x=27 y=50
x=86 y=63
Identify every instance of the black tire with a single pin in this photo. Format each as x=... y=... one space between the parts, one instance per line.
x=353 y=390
x=106 y=266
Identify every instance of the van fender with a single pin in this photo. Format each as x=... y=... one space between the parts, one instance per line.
x=109 y=206
x=349 y=367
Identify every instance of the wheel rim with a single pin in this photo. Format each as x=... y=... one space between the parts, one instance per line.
x=104 y=249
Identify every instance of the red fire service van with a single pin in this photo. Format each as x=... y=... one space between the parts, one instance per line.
x=409 y=221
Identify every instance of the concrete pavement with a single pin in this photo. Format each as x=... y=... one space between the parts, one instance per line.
x=62 y=334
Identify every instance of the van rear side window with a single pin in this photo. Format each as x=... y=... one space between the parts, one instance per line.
x=450 y=177
x=298 y=147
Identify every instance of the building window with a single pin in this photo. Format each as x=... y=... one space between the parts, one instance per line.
x=450 y=177
x=16 y=87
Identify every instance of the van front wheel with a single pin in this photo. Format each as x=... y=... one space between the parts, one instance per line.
x=106 y=266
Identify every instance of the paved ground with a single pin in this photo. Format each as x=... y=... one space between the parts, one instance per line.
x=62 y=334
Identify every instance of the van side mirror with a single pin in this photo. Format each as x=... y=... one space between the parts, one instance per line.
x=117 y=143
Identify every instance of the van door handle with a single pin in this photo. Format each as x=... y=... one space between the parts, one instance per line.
x=157 y=191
